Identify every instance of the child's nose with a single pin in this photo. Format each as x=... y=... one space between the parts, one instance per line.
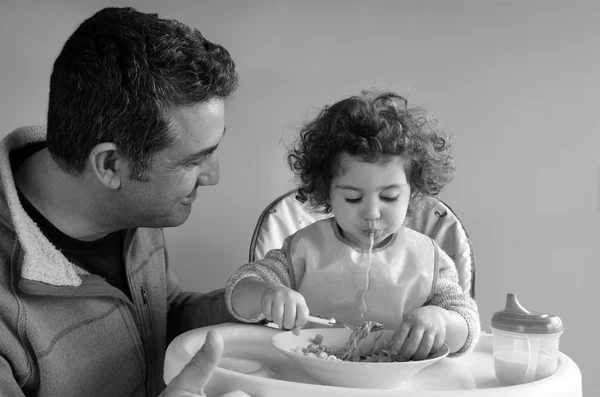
x=371 y=212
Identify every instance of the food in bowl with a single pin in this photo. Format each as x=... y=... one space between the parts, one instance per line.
x=344 y=373
x=380 y=352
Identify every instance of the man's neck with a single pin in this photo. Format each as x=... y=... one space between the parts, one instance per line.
x=64 y=200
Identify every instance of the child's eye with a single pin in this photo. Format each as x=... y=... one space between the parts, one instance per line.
x=353 y=200
x=389 y=199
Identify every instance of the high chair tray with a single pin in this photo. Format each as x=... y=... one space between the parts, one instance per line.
x=247 y=345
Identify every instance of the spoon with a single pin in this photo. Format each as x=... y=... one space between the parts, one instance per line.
x=375 y=326
x=321 y=320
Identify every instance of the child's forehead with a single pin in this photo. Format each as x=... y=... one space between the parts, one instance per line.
x=348 y=163
x=351 y=168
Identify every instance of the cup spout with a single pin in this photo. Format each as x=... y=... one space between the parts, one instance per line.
x=513 y=305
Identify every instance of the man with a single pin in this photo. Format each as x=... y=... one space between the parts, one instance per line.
x=88 y=303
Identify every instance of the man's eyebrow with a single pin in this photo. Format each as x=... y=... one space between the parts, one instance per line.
x=202 y=153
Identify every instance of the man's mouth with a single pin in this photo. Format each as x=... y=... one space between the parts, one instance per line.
x=190 y=198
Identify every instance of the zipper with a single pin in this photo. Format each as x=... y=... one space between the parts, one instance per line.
x=144 y=295
x=144 y=333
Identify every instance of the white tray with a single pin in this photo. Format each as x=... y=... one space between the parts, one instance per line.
x=470 y=375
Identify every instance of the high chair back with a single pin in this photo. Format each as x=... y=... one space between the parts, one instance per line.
x=289 y=213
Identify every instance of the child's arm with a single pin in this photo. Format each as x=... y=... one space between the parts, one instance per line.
x=459 y=309
x=263 y=289
x=270 y=269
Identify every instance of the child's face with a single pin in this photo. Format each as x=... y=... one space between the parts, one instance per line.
x=369 y=198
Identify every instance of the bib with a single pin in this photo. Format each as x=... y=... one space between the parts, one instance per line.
x=352 y=285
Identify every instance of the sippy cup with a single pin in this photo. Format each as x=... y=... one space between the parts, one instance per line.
x=525 y=343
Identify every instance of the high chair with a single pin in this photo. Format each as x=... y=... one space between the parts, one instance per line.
x=289 y=213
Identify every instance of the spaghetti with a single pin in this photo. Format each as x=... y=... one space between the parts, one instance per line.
x=351 y=350
x=364 y=306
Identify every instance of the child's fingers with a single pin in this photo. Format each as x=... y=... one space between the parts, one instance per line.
x=277 y=311
x=302 y=313
x=425 y=346
x=289 y=314
x=412 y=342
x=267 y=305
x=440 y=337
x=399 y=337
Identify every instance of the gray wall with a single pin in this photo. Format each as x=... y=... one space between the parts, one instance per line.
x=515 y=82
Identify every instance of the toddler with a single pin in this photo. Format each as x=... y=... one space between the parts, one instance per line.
x=367 y=159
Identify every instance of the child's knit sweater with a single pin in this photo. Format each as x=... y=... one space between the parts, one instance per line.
x=446 y=292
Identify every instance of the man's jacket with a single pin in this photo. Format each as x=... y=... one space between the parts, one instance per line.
x=65 y=332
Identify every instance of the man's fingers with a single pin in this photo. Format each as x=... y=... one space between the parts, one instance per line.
x=195 y=375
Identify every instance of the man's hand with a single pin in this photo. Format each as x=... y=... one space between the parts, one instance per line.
x=194 y=376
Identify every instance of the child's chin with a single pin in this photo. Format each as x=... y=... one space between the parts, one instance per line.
x=380 y=240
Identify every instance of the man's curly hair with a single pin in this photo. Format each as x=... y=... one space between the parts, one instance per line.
x=373 y=126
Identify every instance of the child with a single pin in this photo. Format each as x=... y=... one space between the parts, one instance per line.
x=368 y=159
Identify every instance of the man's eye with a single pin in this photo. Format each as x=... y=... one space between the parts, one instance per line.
x=353 y=200
x=196 y=163
x=389 y=199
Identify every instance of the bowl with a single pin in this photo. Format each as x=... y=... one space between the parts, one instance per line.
x=368 y=375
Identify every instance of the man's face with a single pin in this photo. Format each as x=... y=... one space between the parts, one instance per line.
x=177 y=171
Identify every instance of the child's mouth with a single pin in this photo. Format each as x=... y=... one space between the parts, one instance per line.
x=372 y=232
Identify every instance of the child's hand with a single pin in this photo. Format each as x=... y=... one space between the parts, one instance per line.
x=285 y=307
x=422 y=332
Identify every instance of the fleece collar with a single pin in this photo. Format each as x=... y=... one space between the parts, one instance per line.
x=42 y=261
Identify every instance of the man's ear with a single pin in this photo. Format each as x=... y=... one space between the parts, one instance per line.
x=107 y=164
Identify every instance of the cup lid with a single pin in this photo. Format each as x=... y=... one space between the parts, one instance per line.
x=515 y=318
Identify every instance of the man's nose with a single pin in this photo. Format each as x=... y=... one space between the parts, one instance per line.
x=210 y=174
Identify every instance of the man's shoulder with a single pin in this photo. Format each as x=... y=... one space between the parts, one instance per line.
x=23 y=136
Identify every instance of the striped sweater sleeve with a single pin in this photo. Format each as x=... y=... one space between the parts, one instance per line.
x=273 y=267
x=449 y=295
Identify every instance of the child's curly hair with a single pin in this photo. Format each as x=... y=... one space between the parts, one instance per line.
x=372 y=125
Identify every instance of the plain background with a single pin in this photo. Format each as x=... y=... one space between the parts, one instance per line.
x=516 y=83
